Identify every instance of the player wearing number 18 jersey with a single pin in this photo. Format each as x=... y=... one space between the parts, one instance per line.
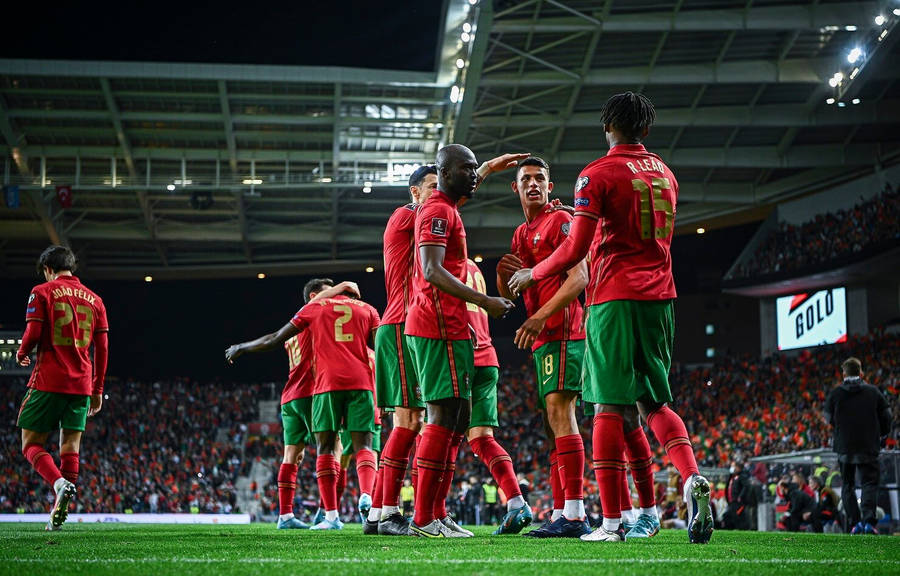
x=631 y=194
x=63 y=318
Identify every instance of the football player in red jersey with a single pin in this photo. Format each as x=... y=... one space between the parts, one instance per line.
x=555 y=333
x=296 y=398
x=631 y=194
x=63 y=318
x=396 y=383
x=484 y=415
x=437 y=330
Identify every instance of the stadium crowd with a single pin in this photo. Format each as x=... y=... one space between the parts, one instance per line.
x=827 y=237
x=155 y=448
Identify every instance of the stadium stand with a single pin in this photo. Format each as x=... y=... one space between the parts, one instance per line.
x=183 y=446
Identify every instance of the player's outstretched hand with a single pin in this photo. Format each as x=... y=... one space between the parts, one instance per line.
x=498 y=307
x=23 y=359
x=556 y=206
x=520 y=281
x=232 y=352
x=501 y=163
x=96 y=404
x=528 y=331
x=508 y=265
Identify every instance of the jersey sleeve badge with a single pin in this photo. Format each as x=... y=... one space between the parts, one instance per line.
x=439 y=226
x=581 y=183
x=565 y=228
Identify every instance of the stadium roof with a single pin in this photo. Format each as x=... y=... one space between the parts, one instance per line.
x=740 y=89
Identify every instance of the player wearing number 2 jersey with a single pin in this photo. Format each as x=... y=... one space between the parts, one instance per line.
x=631 y=194
x=296 y=398
x=63 y=318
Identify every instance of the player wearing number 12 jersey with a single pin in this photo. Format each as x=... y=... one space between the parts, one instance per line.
x=63 y=318
x=631 y=194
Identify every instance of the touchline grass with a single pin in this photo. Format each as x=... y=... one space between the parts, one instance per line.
x=160 y=550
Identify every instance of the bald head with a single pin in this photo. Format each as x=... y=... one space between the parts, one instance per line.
x=457 y=174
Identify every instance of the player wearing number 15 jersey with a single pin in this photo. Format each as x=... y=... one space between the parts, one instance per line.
x=63 y=318
x=624 y=220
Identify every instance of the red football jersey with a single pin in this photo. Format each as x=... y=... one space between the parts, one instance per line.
x=300 y=379
x=399 y=262
x=633 y=194
x=433 y=313
x=70 y=315
x=532 y=243
x=374 y=393
x=340 y=329
x=485 y=354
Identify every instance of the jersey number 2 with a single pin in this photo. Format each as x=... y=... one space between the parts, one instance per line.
x=68 y=316
x=652 y=201
x=339 y=335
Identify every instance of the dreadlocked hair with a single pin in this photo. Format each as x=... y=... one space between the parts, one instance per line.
x=630 y=114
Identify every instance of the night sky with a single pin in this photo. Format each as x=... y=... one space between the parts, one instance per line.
x=396 y=35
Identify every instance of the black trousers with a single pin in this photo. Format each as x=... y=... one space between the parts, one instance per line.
x=868 y=475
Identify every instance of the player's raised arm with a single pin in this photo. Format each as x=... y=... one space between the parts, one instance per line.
x=574 y=285
x=344 y=287
x=499 y=164
x=435 y=274
x=266 y=342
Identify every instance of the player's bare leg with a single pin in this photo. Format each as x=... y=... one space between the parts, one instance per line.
x=669 y=430
x=33 y=448
x=448 y=420
x=491 y=453
x=408 y=423
x=287 y=486
x=327 y=471
x=570 y=455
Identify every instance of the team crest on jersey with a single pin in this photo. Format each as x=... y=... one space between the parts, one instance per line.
x=581 y=183
x=535 y=240
x=439 y=226
x=565 y=228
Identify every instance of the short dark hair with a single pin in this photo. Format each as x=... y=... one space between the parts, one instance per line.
x=416 y=178
x=629 y=113
x=57 y=258
x=316 y=285
x=852 y=366
x=533 y=161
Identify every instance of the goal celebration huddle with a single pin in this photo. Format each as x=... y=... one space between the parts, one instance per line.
x=595 y=279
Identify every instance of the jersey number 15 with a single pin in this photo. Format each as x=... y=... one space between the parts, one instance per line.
x=652 y=201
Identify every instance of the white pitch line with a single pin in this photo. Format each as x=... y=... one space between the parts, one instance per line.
x=460 y=561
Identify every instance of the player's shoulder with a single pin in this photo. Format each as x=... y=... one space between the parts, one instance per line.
x=405 y=211
x=558 y=217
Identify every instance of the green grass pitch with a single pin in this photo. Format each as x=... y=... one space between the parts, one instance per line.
x=160 y=550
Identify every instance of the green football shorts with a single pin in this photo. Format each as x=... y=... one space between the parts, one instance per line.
x=558 y=367
x=444 y=368
x=629 y=351
x=347 y=441
x=50 y=411
x=296 y=420
x=395 y=377
x=352 y=410
x=484 y=396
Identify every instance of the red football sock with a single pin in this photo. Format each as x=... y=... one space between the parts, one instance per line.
x=499 y=463
x=394 y=460
x=669 y=430
x=640 y=460
x=625 y=494
x=556 y=489
x=440 y=499
x=287 y=485
x=42 y=462
x=609 y=461
x=414 y=473
x=68 y=466
x=378 y=495
x=571 y=465
x=327 y=467
x=431 y=457
x=366 y=470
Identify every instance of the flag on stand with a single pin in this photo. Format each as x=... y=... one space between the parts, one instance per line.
x=64 y=195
